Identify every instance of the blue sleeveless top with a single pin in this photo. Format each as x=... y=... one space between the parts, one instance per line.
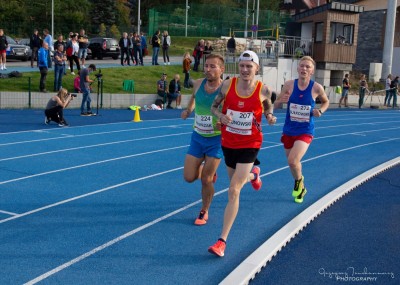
x=299 y=114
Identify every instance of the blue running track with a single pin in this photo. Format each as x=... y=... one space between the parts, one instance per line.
x=104 y=202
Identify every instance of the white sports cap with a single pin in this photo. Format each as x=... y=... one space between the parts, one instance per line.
x=249 y=55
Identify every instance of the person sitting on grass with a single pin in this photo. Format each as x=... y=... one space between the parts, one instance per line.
x=162 y=89
x=55 y=107
x=175 y=92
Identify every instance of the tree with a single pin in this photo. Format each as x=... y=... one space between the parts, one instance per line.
x=103 y=12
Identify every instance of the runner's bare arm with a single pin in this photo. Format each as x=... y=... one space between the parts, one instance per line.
x=192 y=101
x=319 y=92
x=190 y=107
x=285 y=93
x=268 y=107
x=218 y=101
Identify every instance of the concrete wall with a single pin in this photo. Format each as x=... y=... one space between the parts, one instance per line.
x=369 y=46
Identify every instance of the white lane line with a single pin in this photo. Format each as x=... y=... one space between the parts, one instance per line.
x=88 y=194
x=178 y=134
x=91 y=146
x=130 y=233
x=252 y=265
x=88 y=164
x=108 y=244
x=90 y=126
x=8 y=213
x=90 y=134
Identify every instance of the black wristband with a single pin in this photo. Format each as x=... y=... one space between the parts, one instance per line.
x=319 y=110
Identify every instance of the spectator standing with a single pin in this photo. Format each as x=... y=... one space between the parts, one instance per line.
x=43 y=55
x=131 y=54
x=72 y=53
x=85 y=82
x=59 y=67
x=60 y=41
x=155 y=42
x=35 y=43
x=143 y=44
x=345 y=91
x=186 y=69
x=268 y=47
x=166 y=43
x=55 y=108
x=363 y=88
x=137 y=49
x=49 y=40
x=125 y=45
x=208 y=49
x=3 y=50
x=393 y=91
x=387 y=87
x=231 y=46
x=175 y=92
x=198 y=54
x=83 y=46
x=162 y=88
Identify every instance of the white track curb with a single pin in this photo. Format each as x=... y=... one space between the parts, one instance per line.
x=261 y=256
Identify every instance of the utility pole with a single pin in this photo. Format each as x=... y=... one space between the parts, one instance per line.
x=389 y=38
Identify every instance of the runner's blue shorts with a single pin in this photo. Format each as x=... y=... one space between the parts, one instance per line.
x=205 y=146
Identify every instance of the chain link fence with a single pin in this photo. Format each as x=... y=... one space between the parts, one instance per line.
x=214 y=21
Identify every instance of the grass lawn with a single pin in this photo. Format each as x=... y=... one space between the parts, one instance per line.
x=145 y=77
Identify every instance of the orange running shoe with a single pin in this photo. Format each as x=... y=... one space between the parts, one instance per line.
x=202 y=219
x=218 y=248
x=256 y=183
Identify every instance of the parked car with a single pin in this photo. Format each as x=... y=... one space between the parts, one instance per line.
x=17 y=51
x=104 y=47
x=25 y=42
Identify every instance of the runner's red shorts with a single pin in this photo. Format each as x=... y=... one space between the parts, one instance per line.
x=288 y=141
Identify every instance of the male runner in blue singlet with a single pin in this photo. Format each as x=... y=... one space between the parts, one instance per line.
x=298 y=131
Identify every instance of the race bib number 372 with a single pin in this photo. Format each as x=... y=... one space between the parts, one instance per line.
x=299 y=113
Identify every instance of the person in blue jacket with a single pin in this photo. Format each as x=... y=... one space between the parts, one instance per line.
x=43 y=64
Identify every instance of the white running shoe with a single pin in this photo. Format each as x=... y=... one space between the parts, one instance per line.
x=179 y=107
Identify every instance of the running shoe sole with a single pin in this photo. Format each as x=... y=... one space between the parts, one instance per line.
x=299 y=199
x=257 y=184
x=217 y=249
x=202 y=219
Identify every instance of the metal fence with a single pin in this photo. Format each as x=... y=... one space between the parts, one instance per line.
x=205 y=20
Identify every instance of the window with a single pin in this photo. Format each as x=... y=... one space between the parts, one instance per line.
x=319 y=31
x=341 y=33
